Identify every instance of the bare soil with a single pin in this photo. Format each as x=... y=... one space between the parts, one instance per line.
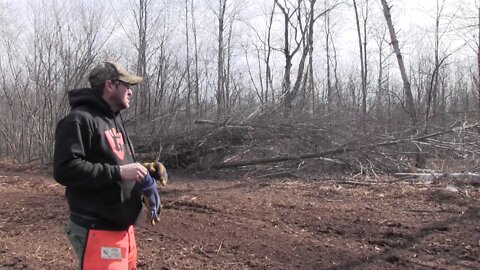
x=260 y=224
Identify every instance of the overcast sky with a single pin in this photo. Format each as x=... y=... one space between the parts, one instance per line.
x=414 y=21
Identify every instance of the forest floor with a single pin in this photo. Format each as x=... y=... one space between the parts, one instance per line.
x=260 y=224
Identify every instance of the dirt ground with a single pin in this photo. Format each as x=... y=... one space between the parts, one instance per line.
x=260 y=224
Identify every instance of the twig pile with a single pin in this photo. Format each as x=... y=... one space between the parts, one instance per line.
x=290 y=149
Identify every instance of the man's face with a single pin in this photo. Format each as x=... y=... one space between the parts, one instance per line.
x=121 y=96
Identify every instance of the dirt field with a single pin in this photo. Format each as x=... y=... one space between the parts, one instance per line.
x=260 y=224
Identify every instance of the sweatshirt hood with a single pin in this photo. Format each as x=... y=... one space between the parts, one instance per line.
x=88 y=97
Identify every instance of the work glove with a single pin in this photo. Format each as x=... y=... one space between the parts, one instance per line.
x=151 y=199
x=157 y=171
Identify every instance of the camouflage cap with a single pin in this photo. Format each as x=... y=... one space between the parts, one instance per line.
x=111 y=71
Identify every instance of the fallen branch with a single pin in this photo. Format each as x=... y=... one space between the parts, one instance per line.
x=340 y=150
x=213 y=123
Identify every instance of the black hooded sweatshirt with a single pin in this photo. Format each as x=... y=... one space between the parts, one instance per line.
x=90 y=144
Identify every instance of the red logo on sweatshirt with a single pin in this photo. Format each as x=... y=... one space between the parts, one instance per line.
x=115 y=140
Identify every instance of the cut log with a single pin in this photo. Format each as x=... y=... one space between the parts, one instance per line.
x=460 y=178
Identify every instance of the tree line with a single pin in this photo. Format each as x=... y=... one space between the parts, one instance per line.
x=347 y=62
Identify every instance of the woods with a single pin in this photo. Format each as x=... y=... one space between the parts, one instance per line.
x=234 y=82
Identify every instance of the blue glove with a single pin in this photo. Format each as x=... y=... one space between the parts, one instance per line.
x=151 y=199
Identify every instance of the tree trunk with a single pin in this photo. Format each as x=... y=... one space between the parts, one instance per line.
x=286 y=83
x=311 y=84
x=362 y=59
x=327 y=48
x=142 y=106
x=188 y=107
x=198 y=110
x=396 y=48
x=268 y=69
x=221 y=62
x=420 y=157
x=478 y=64
x=379 y=99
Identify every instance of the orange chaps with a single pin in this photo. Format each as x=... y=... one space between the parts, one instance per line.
x=110 y=250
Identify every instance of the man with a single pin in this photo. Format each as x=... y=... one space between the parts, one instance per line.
x=94 y=160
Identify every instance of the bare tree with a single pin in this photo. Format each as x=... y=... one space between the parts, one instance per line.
x=410 y=105
x=141 y=95
x=380 y=37
x=58 y=53
x=435 y=96
x=362 y=45
x=303 y=30
x=196 y=60
x=470 y=33
x=265 y=90
x=310 y=91
x=328 y=58
x=264 y=87
x=268 y=54
x=189 y=79
x=220 y=95
x=288 y=52
x=478 y=61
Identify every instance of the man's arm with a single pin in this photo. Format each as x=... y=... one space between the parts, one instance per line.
x=72 y=140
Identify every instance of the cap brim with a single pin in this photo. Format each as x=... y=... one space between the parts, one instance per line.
x=131 y=79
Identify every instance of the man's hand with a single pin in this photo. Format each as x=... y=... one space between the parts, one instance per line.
x=133 y=172
x=157 y=171
x=151 y=199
